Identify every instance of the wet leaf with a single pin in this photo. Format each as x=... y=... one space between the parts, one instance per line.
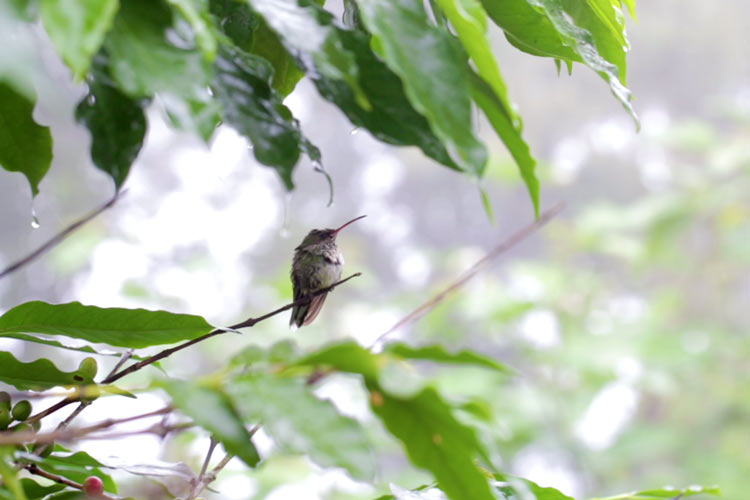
x=25 y=146
x=135 y=328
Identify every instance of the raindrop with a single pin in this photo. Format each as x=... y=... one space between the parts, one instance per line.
x=354 y=131
x=91 y=99
x=34 y=219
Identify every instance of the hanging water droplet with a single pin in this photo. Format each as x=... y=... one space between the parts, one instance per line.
x=285 y=232
x=91 y=99
x=354 y=131
x=34 y=220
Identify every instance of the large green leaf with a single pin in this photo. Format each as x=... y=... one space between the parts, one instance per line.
x=470 y=21
x=606 y=24
x=440 y=354
x=435 y=440
x=301 y=423
x=501 y=118
x=306 y=32
x=37 y=375
x=433 y=68
x=25 y=146
x=392 y=118
x=213 y=410
x=117 y=124
x=286 y=72
x=243 y=86
x=134 y=328
x=143 y=62
x=77 y=29
x=545 y=28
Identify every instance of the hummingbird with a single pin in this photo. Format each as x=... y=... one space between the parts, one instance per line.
x=318 y=263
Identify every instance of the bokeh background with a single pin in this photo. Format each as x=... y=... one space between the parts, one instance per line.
x=627 y=318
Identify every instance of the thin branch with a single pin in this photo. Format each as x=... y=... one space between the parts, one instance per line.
x=67 y=434
x=198 y=482
x=34 y=469
x=503 y=247
x=244 y=324
x=207 y=478
x=59 y=237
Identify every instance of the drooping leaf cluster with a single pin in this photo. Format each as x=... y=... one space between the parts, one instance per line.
x=410 y=75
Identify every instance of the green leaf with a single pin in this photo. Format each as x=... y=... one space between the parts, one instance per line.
x=143 y=62
x=606 y=24
x=25 y=146
x=77 y=29
x=470 y=21
x=116 y=122
x=37 y=375
x=310 y=37
x=516 y=488
x=196 y=14
x=545 y=28
x=134 y=328
x=501 y=119
x=434 y=72
x=281 y=352
x=267 y=45
x=345 y=356
x=665 y=493
x=438 y=353
x=487 y=204
x=74 y=466
x=243 y=86
x=301 y=423
x=213 y=410
x=435 y=440
x=236 y=20
x=527 y=28
x=392 y=118
x=36 y=490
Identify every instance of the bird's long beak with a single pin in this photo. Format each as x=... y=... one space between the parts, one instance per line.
x=336 y=232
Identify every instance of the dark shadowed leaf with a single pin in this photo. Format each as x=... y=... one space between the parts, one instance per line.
x=392 y=118
x=134 y=328
x=25 y=146
x=213 y=410
x=305 y=30
x=243 y=86
x=77 y=29
x=433 y=68
x=440 y=354
x=435 y=440
x=36 y=375
x=117 y=124
x=301 y=423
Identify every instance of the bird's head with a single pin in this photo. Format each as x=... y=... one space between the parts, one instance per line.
x=318 y=236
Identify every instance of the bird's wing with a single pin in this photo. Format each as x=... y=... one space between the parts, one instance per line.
x=316 y=304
